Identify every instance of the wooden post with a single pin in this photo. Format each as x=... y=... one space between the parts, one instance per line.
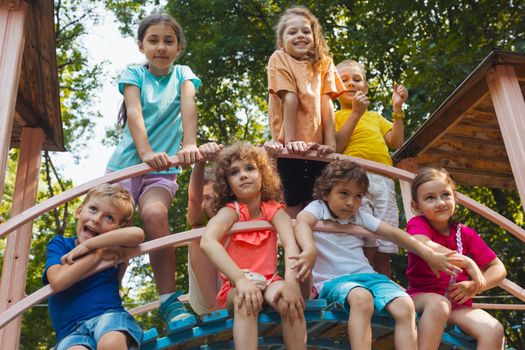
x=12 y=20
x=408 y=164
x=509 y=105
x=16 y=258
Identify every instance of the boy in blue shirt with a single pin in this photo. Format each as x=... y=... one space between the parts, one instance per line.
x=88 y=314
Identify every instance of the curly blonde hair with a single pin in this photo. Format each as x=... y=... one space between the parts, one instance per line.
x=271 y=188
x=320 y=52
x=339 y=171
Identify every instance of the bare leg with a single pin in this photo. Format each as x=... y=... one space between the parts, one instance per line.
x=435 y=311
x=294 y=325
x=205 y=274
x=245 y=332
x=114 y=340
x=78 y=347
x=382 y=263
x=154 y=205
x=480 y=325
x=360 y=319
x=405 y=333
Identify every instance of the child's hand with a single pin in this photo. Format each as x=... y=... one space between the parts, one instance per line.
x=296 y=146
x=77 y=252
x=360 y=103
x=322 y=150
x=273 y=148
x=113 y=254
x=158 y=161
x=250 y=295
x=462 y=291
x=290 y=301
x=477 y=276
x=210 y=150
x=304 y=263
x=188 y=154
x=399 y=96
x=444 y=262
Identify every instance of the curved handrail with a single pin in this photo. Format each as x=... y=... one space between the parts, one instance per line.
x=51 y=203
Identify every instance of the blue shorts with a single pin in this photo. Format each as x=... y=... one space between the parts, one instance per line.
x=382 y=288
x=89 y=332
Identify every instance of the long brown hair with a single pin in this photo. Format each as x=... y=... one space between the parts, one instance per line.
x=320 y=52
x=270 y=181
x=154 y=18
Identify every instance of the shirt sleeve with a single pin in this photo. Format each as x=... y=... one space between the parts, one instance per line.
x=130 y=76
x=56 y=248
x=185 y=73
x=332 y=83
x=478 y=250
x=369 y=221
x=316 y=209
x=269 y=209
x=280 y=77
x=384 y=124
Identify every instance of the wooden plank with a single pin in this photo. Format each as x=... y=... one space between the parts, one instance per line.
x=508 y=102
x=484 y=150
x=470 y=163
x=476 y=132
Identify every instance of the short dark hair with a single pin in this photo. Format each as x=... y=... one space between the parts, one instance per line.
x=336 y=172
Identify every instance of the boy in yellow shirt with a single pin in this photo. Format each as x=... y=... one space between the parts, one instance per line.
x=366 y=134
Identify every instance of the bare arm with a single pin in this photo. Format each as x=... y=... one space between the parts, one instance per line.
x=305 y=239
x=437 y=261
x=328 y=123
x=189 y=152
x=290 y=104
x=61 y=277
x=122 y=237
x=494 y=273
x=195 y=195
x=395 y=137
x=359 y=105
x=137 y=128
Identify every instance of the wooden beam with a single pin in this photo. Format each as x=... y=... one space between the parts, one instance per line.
x=16 y=258
x=509 y=105
x=11 y=49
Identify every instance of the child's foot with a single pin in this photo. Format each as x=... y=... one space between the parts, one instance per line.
x=173 y=310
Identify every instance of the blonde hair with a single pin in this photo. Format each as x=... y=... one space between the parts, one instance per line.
x=118 y=196
x=320 y=52
x=270 y=184
x=352 y=63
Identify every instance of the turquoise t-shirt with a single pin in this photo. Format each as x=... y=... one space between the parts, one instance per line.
x=160 y=98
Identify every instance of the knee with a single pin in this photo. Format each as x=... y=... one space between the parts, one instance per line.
x=154 y=213
x=438 y=308
x=361 y=300
x=402 y=309
x=112 y=340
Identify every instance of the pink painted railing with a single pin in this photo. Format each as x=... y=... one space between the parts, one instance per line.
x=185 y=237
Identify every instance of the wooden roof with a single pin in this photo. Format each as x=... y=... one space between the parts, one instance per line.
x=38 y=100
x=463 y=134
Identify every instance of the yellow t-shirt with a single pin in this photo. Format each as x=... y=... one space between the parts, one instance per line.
x=287 y=73
x=367 y=140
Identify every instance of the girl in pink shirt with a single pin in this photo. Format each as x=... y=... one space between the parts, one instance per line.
x=449 y=299
x=248 y=189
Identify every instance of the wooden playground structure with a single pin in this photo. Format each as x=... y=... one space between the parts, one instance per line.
x=476 y=134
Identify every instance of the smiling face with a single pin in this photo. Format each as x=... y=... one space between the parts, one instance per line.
x=244 y=180
x=161 y=48
x=437 y=202
x=297 y=38
x=96 y=216
x=354 y=81
x=344 y=199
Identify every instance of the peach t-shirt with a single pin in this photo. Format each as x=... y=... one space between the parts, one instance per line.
x=285 y=73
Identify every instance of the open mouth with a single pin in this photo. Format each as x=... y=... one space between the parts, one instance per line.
x=88 y=232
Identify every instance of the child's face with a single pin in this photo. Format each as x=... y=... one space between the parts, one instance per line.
x=96 y=216
x=298 y=38
x=354 y=81
x=161 y=48
x=344 y=199
x=436 y=201
x=208 y=195
x=245 y=180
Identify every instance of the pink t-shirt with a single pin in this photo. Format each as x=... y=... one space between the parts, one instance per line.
x=421 y=279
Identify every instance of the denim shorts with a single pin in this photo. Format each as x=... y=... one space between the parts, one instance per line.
x=89 y=332
x=382 y=288
x=139 y=185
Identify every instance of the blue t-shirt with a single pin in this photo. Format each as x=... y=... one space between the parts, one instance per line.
x=160 y=99
x=85 y=299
